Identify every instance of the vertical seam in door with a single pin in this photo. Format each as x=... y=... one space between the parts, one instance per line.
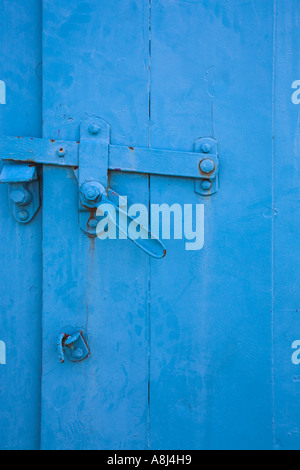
x=149 y=69
x=273 y=215
x=149 y=221
x=41 y=208
x=42 y=230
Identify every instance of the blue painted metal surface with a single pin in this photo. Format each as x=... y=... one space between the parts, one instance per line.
x=286 y=187
x=20 y=247
x=195 y=351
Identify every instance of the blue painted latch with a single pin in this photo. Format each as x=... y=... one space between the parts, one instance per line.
x=73 y=345
x=94 y=157
x=23 y=190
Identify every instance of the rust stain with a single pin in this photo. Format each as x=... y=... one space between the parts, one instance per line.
x=87 y=315
x=12 y=160
x=131 y=148
x=51 y=140
x=92 y=212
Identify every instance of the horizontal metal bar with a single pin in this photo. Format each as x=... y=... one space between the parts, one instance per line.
x=47 y=152
x=155 y=162
x=126 y=159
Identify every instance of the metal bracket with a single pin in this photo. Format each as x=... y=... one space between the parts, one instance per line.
x=208 y=183
x=23 y=190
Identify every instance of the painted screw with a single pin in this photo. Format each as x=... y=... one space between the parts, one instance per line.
x=94 y=129
x=206 y=185
x=93 y=223
x=92 y=193
x=206 y=148
x=23 y=216
x=207 y=165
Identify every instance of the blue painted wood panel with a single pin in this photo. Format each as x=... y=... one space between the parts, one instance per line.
x=286 y=227
x=211 y=368
x=20 y=247
x=95 y=60
x=194 y=351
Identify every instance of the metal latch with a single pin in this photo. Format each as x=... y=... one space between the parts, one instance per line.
x=94 y=157
x=23 y=190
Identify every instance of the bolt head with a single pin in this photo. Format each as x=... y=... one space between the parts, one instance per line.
x=94 y=129
x=93 y=223
x=20 y=197
x=206 y=148
x=23 y=216
x=206 y=185
x=207 y=165
x=91 y=193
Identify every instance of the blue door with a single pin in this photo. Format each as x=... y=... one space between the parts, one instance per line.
x=21 y=244
x=111 y=344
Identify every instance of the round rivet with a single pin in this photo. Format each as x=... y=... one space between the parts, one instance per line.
x=207 y=165
x=93 y=223
x=206 y=185
x=94 y=129
x=206 y=148
x=23 y=216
